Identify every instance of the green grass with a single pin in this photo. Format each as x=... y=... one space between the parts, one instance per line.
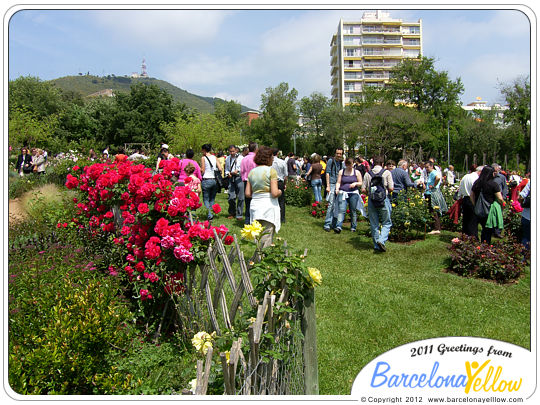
x=369 y=302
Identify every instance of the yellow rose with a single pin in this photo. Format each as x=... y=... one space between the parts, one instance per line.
x=413 y=204
x=315 y=275
x=202 y=341
x=252 y=231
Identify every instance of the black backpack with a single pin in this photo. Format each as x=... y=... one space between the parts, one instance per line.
x=377 y=192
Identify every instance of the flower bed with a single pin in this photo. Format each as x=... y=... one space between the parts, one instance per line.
x=410 y=216
x=318 y=209
x=298 y=193
x=502 y=262
x=146 y=222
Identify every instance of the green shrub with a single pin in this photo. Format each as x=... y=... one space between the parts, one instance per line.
x=65 y=319
x=410 y=216
x=298 y=193
x=503 y=261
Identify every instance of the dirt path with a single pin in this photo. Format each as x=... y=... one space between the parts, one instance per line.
x=16 y=210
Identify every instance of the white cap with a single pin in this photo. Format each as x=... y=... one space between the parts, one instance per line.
x=164 y=146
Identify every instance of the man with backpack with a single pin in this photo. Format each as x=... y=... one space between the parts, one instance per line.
x=333 y=167
x=378 y=185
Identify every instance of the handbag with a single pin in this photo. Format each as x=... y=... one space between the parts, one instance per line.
x=481 y=207
x=217 y=174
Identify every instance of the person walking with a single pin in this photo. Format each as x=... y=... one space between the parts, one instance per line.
x=333 y=167
x=188 y=160
x=281 y=169
x=209 y=186
x=292 y=167
x=450 y=175
x=469 y=222
x=38 y=162
x=246 y=166
x=236 y=185
x=24 y=163
x=378 y=185
x=348 y=185
x=402 y=182
x=500 y=179
x=487 y=189
x=525 y=200
x=162 y=155
x=263 y=190
x=314 y=173
x=435 y=199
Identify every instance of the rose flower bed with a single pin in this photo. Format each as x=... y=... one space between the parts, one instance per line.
x=144 y=218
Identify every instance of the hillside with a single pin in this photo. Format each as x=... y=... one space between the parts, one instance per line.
x=88 y=84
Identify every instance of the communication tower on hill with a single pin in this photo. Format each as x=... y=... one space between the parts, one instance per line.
x=143 y=69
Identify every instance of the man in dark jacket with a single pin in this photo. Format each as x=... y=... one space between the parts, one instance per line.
x=402 y=181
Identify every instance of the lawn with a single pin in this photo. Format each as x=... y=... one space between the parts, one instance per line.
x=370 y=302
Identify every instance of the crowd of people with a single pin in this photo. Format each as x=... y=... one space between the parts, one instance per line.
x=255 y=180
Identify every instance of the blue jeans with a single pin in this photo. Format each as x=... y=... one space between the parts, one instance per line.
x=317 y=185
x=209 y=191
x=526 y=233
x=330 y=221
x=380 y=222
x=236 y=197
x=350 y=202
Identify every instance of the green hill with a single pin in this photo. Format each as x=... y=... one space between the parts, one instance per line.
x=88 y=84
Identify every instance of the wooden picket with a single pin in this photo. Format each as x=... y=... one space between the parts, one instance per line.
x=247 y=373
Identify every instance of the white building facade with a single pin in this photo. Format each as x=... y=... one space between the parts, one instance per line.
x=363 y=52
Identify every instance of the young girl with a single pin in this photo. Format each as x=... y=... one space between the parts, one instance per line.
x=195 y=183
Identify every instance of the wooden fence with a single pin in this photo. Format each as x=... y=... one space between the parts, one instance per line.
x=215 y=295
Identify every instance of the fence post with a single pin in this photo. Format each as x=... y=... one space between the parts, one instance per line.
x=309 y=329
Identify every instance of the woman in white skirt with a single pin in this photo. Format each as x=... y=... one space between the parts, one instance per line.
x=263 y=190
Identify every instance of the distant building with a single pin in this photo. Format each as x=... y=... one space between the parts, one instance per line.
x=480 y=105
x=251 y=115
x=362 y=53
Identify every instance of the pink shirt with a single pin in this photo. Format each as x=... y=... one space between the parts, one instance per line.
x=183 y=164
x=246 y=165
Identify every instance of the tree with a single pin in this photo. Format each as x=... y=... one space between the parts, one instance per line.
x=279 y=116
x=35 y=96
x=417 y=82
x=312 y=108
x=518 y=115
x=228 y=111
x=26 y=129
x=138 y=116
x=202 y=128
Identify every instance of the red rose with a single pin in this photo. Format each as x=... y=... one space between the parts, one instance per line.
x=228 y=240
x=187 y=180
x=143 y=208
x=216 y=208
x=313 y=213
x=75 y=168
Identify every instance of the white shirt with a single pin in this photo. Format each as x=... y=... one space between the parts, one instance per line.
x=466 y=183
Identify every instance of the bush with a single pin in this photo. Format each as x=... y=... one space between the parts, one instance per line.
x=501 y=262
x=318 y=209
x=410 y=216
x=65 y=319
x=298 y=193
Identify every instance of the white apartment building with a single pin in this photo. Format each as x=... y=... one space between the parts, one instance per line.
x=362 y=53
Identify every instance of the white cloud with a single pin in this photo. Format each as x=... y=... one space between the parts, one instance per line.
x=163 y=28
x=206 y=70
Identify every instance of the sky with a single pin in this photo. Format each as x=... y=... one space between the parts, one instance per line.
x=236 y=54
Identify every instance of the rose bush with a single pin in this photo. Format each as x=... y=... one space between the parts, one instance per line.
x=145 y=219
